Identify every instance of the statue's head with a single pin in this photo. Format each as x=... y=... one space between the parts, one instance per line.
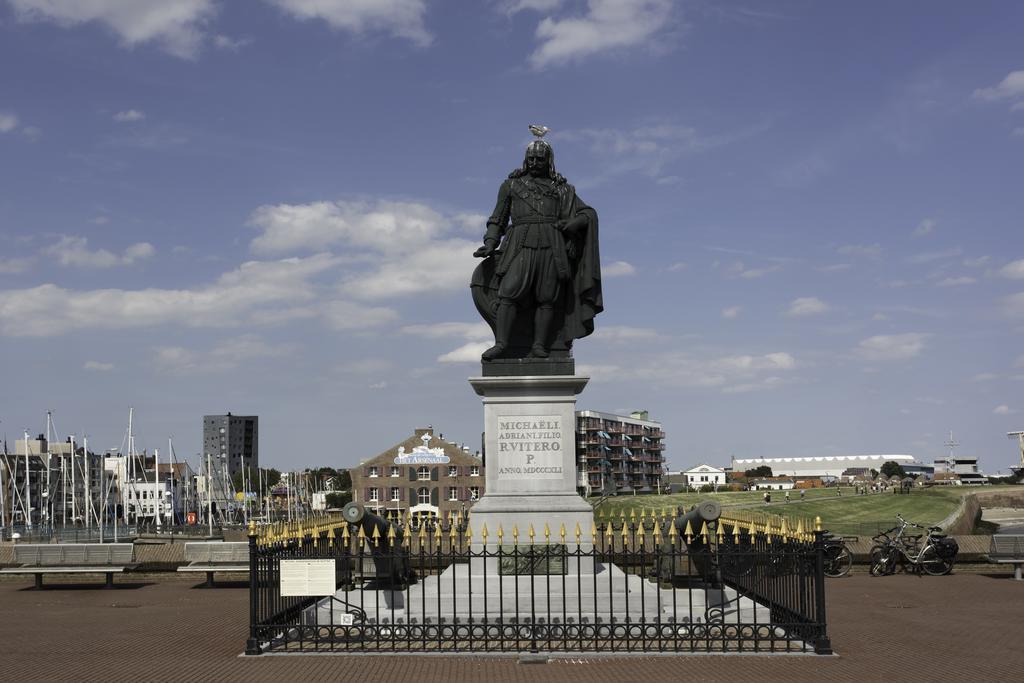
x=540 y=160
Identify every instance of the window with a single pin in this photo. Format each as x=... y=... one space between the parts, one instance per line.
x=394 y=471
x=474 y=471
x=374 y=472
x=423 y=473
x=474 y=493
x=374 y=494
x=453 y=493
x=423 y=496
x=453 y=471
x=395 y=493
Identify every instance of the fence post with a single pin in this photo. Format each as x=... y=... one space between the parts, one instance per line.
x=822 y=644
x=252 y=645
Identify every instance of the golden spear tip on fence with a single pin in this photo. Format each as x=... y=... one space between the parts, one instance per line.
x=547 y=532
x=817 y=523
x=608 y=530
x=643 y=514
x=483 y=532
x=437 y=530
x=704 y=531
x=530 y=532
x=501 y=533
x=632 y=514
x=561 y=530
x=593 y=533
x=515 y=534
x=469 y=531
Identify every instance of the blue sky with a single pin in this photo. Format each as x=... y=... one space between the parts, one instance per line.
x=810 y=213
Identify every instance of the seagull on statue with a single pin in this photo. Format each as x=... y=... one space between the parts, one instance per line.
x=539 y=131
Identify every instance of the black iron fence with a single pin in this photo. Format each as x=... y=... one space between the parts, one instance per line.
x=641 y=585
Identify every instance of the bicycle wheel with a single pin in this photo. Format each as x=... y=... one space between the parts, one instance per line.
x=839 y=564
x=881 y=562
x=932 y=564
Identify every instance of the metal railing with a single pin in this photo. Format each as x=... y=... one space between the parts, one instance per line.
x=622 y=586
x=42 y=533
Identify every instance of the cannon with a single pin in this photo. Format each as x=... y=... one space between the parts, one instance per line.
x=390 y=560
x=697 y=557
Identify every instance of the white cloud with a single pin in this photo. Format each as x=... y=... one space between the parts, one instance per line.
x=729 y=374
x=892 y=346
x=74 y=251
x=834 y=268
x=1013 y=270
x=227 y=355
x=739 y=269
x=400 y=18
x=1010 y=87
x=976 y=262
x=865 y=250
x=607 y=25
x=14 y=266
x=175 y=26
x=467 y=353
x=955 y=281
x=97 y=366
x=257 y=291
x=346 y=315
x=129 y=116
x=1013 y=305
x=1003 y=410
x=929 y=256
x=678 y=267
x=923 y=228
x=514 y=6
x=8 y=122
x=387 y=227
x=732 y=312
x=624 y=333
x=617 y=269
x=441 y=266
x=469 y=331
x=807 y=305
x=984 y=377
x=222 y=42
x=1018 y=132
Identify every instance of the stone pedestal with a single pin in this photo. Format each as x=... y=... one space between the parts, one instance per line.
x=530 y=468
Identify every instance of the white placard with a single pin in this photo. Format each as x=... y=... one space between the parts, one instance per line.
x=530 y=447
x=346 y=619
x=307 y=577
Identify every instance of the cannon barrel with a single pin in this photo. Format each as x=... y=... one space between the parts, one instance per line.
x=677 y=563
x=390 y=560
x=706 y=511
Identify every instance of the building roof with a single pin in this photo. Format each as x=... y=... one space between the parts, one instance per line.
x=704 y=467
x=823 y=459
x=454 y=452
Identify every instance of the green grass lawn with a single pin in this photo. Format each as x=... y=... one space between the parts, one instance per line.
x=847 y=514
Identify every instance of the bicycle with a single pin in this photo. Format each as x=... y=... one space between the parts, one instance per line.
x=935 y=557
x=838 y=558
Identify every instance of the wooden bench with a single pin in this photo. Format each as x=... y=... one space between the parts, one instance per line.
x=1008 y=549
x=71 y=558
x=216 y=556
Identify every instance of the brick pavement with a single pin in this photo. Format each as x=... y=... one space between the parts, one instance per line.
x=960 y=627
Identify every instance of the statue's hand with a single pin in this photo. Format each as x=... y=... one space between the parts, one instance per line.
x=573 y=226
x=484 y=251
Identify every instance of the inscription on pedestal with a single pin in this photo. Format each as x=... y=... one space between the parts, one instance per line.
x=536 y=560
x=530 y=447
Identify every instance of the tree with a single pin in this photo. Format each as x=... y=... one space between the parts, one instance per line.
x=762 y=471
x=892 y=469
x=338 y=499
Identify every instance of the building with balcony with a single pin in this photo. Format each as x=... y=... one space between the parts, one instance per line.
x=619 y=453
x=424 y=476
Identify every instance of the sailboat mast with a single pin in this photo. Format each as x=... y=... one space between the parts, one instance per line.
x=26 y=511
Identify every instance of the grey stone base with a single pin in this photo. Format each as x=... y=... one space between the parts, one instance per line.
x=520 y=367
x=538 y=510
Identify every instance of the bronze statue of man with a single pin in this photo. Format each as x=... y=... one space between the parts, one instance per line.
x=539 y=286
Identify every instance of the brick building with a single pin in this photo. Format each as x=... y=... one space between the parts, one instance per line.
x=424 y=475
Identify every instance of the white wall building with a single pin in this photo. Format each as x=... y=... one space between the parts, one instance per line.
x=704 y=475
x=819 y=466
x=771 y=485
